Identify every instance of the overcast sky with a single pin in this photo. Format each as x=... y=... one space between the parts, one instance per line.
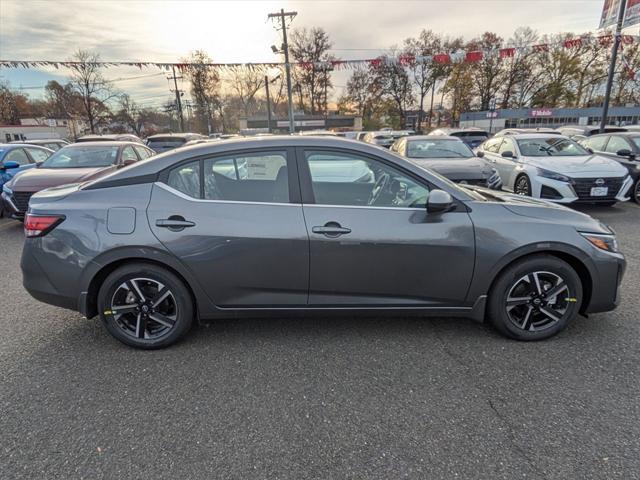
x=238 y=31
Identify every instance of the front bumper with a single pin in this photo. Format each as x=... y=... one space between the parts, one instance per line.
x=607 y=277
x=10 y=207
x=574 y=192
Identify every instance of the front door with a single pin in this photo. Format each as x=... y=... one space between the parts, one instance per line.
x=372 y=241
x=235 y=222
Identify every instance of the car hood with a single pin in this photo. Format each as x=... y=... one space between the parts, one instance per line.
x=544 y=210
x=39 y=178
x=460 y=168
x=580 y=166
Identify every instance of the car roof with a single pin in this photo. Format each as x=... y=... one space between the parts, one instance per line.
x=8 y=146
x=617 y=134
x=175 y=135
x=432 y=138
x=103 y=143
x=523 y=136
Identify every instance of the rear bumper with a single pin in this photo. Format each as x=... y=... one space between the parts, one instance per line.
x=37 y=283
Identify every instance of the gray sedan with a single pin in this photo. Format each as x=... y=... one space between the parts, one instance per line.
x=450 y=157
x=275 y=224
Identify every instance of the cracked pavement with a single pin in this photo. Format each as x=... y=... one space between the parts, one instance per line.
x=320 y=397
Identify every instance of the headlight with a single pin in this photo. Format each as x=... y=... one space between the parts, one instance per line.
x=553 y=175
x=602 y=241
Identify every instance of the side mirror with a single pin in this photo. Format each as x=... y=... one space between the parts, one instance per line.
x=589 y=149
x=480 y=154
x=439 y=201
x=8 y=165
x=508 y=154
x=625 y=152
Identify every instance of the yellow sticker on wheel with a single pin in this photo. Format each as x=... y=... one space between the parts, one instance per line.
x=108 y=312
x=571 y=299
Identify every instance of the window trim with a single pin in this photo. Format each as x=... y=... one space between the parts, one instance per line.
x=306 y=183
x=292 y=172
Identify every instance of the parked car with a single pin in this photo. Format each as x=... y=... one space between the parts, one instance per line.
x=632 y=128
x=118 y=137
x=472 y=136
x=381 y=138
x=50 y=143
x=184 y=236
x=623 y=147
x=75 y=163
x=360 y=135
x=16 y=158
x=450 y=157
x=556 y=168
x=578 y=132
x=164 y=142
x=515 y=131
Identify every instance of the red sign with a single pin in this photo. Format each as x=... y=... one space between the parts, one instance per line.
x=542 y=112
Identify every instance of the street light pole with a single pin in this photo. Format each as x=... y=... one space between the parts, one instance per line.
x=282 y=17
x=612 y=65
x=266 y=84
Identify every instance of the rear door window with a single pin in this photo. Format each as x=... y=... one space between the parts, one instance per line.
x=19 y=156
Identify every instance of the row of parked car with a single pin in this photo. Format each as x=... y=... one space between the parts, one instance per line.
x=540 y=163
x=568 y=165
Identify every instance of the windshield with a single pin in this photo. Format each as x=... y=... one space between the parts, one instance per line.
x=550 y=147
x=438 y=149
x=82 y=157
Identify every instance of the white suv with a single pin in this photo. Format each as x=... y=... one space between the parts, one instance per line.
x=555 y=168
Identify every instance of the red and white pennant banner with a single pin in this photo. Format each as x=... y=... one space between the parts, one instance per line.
x=402 y=60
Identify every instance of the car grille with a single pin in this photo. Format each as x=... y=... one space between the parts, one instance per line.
x=583 y=186
x=21 y=200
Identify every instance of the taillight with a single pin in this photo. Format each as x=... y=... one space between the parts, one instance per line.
x=39 y=225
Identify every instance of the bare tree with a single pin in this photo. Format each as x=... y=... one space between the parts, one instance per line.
x=311 y=47
x=245 y=83
x=87 y=81
x=205 y=87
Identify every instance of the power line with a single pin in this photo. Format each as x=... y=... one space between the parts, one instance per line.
x=34 y=87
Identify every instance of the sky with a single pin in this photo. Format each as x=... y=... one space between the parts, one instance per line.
x=238 y=31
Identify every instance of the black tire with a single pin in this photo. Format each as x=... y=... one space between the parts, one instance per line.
x=635 y=192
x=133 y=287
x=522 y=186
x=528 y=316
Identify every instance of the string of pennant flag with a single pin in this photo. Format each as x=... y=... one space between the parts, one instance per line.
x=387 y=60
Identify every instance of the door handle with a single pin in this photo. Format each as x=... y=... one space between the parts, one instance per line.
x=331 y=229
x=175 y=223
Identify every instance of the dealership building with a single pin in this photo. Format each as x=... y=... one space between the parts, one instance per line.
x=548 y=117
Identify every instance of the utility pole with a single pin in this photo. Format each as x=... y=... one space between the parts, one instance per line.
x=433 y=91
x=612 y=65
x=178 y=93
x=282 y=19
x=266 y=85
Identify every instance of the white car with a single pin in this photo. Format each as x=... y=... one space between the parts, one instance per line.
x=555 y=168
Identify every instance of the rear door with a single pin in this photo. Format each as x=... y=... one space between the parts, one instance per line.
x=372 y=242
x=236 y=221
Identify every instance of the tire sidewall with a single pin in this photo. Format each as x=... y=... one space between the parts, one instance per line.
x=636 y=191
x=181 y=295
x=498 y=295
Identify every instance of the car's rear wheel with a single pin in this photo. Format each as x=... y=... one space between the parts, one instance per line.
x=145 y=306
x=523 y=186
x=535 y=298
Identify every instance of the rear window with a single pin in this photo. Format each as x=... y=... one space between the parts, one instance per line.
x=470 y=134
x=165 y=143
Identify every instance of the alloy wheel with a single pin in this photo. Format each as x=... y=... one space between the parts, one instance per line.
x=522 y=186
x=636 y=192
x=144 y=308
x=538 y=301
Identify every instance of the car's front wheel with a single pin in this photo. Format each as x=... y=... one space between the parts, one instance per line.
x=535 y=298
x=145 y=306
x=523 y=186
x=635 y=194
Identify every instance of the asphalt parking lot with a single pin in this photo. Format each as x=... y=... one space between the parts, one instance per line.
x=320 y=397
